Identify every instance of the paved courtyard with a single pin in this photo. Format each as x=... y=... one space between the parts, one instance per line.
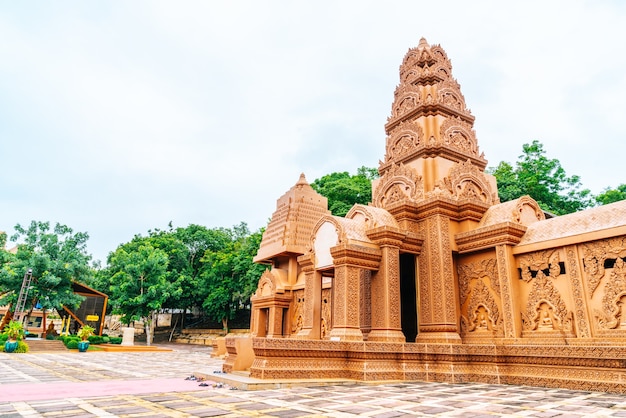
x=157 y=384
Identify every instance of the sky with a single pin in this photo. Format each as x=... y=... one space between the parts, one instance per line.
x=120 y=117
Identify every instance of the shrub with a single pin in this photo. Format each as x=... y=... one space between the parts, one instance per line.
x=72 y=344
x=3 y=338
x=105 y=339
x=22 y=347
x=70 y=338
x=95 y=339
x=115 y=340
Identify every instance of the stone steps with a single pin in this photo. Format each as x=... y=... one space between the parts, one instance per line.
x=39 y=345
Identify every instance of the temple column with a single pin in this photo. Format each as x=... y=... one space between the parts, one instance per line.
x=385 y=288
x=350 y=261
x=312 y=308
x=346 y=294
x=438 y=294
x=508 y=274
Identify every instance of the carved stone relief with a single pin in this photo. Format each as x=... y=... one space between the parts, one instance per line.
x=483 y=314
x=399 y=183
x=545 y=310
x=327 y=324
x=297 y=321
x=465 y=181
x=595 y=254
x=471 y=271
x=613 y=314
x=458 y=134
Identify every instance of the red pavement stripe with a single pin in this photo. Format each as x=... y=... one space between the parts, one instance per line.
x=60 y=390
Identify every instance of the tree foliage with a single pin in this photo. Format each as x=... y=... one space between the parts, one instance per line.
x=56 y=256
x=612 y=195
x=229 y=276
x=183 y=268
x=344 y=190
x=543 y=179
x=138 y=284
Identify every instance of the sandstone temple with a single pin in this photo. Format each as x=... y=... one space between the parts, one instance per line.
x=436 y=279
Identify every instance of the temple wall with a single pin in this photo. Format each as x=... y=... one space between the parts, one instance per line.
x=571 y=294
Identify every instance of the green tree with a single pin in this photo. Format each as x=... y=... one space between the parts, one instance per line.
x=138 y=284
x=229 y=275
x=344 y=190
x=56 y=256
x=612 y=195
x=543 y=179
x=197 y=240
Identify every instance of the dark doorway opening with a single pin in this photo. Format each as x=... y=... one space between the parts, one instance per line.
x=408 y=297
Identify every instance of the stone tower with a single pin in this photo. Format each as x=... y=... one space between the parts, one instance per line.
x=435 y=279
x=432 y=179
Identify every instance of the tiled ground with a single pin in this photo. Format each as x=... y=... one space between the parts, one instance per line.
x=381 y=401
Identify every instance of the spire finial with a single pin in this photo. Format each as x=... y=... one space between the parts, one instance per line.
x=302 y=180
x=423 y=43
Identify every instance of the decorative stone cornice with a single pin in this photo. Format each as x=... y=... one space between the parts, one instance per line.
x=412 y=243
x=386 y=236
x=281 y=301
x=506 y=233
x=307 y=262
x=429 y=110
x=356 y=255
x=431 y=151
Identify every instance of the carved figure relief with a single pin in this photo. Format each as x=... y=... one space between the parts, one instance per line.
x=483 y=312
x=545 y=310
x=613 y=315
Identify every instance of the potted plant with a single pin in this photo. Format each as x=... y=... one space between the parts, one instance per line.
x=15 y=332
x=84 y=333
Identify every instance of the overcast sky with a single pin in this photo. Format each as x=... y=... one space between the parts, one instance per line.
x=117 y=117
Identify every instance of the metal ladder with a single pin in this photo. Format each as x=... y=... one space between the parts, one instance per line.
x=21 y=300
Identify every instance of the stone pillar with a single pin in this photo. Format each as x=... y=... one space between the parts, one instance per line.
x=275 y=325
x=508 y=274
x=346 y=294
x=312 y=300
x=438 y=294
x=386 y=319
x=261 y=323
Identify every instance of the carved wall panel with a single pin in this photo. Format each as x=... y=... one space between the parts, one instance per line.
x=506 y=291
x=613 y=314
x=545 y=309
x=297 y=319
x=482 y=312
x=470 y=271
x=365 y=301
x=596 y=254
x=327 y=308
x=580 y=302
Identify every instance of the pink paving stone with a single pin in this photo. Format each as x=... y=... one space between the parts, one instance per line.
x=61 y=390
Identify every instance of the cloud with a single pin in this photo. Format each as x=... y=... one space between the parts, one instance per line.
x=117 y=118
